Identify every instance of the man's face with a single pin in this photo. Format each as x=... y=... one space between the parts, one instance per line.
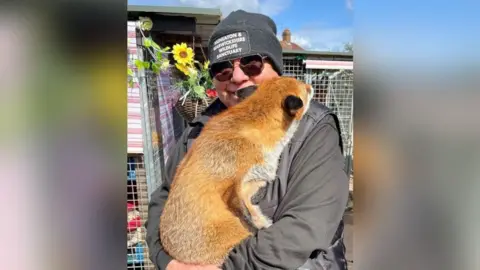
x=238 y=74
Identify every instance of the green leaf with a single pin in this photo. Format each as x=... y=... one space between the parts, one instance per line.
x=199 y=90
x=192 y=79
x=146 y=23
x=156 y=67
x=146 y=65
x=155 y=45
x=139 y=63
x=130 y=72
x=159 y=55
x=147 y=42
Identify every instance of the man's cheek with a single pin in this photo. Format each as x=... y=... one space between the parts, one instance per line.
x=219 y=86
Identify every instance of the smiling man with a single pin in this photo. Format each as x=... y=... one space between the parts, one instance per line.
x=307 y=201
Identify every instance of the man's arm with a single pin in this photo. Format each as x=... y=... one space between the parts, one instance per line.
x=157 y=201
x=310 y=212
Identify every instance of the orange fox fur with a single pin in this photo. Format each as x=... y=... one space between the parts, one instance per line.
x=236 y=153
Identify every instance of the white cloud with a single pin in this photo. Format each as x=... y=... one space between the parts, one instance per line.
x=302 y=41
x=267 y=7
x=273 y=7
x=321 y=38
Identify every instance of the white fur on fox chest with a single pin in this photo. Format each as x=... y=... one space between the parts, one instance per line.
x=268 y=170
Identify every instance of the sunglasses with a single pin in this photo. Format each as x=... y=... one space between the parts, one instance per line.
x=250 y=65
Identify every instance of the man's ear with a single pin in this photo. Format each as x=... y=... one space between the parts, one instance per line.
x=292 y=104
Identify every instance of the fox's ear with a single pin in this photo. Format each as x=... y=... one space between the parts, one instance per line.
x=292 y=104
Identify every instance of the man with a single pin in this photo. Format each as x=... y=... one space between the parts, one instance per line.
x=308 y=199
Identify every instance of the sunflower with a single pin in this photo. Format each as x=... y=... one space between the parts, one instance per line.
x=183 y=68
x=182 y=54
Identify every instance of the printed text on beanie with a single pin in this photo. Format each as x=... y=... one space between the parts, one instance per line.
x=230 y=46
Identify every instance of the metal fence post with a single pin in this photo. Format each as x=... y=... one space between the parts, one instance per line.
x=153 y=168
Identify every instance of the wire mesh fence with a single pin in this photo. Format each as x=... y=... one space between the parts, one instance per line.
x=334 y=89
x=137 y=212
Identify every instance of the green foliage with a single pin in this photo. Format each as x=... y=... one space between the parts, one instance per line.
x=147 y=42
x=155 y=67
x=301 y=57
x=348 y=47
x=146 y=24
x=195 y=83
x=159 y=62
x=193 y=79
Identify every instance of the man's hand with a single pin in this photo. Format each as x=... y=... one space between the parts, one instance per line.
x=176 y=265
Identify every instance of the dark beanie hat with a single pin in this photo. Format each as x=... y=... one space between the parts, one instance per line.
x=242 y=34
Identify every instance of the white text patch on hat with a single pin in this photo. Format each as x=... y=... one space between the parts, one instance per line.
x=230 y=46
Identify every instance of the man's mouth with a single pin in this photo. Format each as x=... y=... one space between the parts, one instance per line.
x=246 y=91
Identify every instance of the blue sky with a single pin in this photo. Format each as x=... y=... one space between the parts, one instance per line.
x=315 y=24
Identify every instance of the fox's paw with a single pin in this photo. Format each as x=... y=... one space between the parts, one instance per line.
x=271 y=179
x=261 y=222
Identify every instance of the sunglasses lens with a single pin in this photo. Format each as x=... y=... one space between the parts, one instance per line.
x=252 y=65
x=221 y=71
x=224 y=75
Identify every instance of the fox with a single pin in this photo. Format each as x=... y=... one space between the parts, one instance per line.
x=209 y=208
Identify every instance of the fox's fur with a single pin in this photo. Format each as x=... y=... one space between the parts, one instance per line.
x=236 y=153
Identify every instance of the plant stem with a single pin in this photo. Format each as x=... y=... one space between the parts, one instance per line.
x=148 y=49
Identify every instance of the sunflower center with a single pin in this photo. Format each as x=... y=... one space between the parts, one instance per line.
x=183 y=54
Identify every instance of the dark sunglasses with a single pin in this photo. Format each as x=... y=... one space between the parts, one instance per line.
x=250 y=65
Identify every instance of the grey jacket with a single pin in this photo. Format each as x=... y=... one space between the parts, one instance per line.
x=306 y=202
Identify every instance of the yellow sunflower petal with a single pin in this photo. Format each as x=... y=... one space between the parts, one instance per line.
x=177 y=48
x=183 y=54
x=182 y=68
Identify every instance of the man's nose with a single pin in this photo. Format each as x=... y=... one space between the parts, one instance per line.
x=238 y=75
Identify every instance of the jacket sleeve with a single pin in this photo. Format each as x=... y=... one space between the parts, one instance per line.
x=157 y=201
x=309 y=213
